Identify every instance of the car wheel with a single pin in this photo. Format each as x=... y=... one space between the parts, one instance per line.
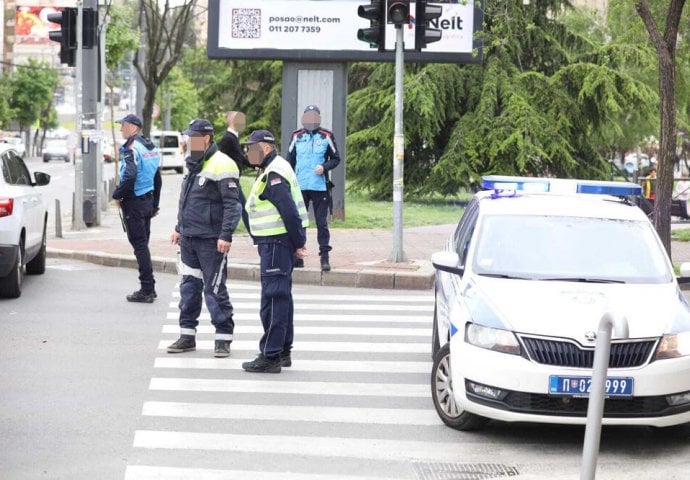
x=66 y=159
x=444 y=400
x=45 y=159
x=37 y=266
x=179 y=170
x=11 y=285
x=435 y=343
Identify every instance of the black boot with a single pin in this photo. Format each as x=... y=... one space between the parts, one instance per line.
x=186 y=343
x=325 y=266
x=222 y=349
x=263 y=364
x=142 y=297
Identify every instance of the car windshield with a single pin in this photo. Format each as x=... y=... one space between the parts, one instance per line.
x=570 y=249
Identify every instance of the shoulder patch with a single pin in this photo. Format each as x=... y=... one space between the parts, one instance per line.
x=276 y=181
x=232 y=183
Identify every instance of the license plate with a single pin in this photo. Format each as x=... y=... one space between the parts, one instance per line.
x=581 y=386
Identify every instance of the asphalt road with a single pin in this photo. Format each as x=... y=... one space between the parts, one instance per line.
x=87 y=391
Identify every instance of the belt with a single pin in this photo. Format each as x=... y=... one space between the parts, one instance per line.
x=145 y=196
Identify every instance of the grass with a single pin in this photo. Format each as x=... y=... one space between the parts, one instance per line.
x=360 y=212
x=681 y=235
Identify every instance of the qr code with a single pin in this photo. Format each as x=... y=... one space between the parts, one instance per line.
x=246 y=23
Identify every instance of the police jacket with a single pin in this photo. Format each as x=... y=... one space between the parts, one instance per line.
x=139 y=170
x=307 y=150
x=275 y=197
x=209 y=201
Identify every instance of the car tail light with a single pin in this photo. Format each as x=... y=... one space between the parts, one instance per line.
x=6 y=206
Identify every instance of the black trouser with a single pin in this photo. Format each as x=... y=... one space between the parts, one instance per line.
x=276 y=310
x=320 y=202
x=138 y=212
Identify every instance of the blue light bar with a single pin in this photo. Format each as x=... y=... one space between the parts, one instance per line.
x=509 y=186
x=515 y=184
x=609 y=188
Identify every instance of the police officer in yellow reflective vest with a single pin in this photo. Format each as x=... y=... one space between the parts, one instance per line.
x=277 y=218
x=208 y=214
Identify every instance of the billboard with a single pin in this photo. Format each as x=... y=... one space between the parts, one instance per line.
x=32 y=25
x=317 y=30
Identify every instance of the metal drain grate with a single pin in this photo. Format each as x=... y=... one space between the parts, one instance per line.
x=463 y=471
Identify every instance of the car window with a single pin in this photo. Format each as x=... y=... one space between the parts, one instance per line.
x=463 y=233
x=169 y=141
x=570 y=248
x=14 y=170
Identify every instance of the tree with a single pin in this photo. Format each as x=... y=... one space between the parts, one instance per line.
x=548 y=98
x=665 y=45
x=32 y=88
x=166 y=33
x=179 y=93
x=120 y=41
x=5 y=110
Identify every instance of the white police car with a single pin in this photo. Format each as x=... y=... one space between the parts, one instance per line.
x=521 y=287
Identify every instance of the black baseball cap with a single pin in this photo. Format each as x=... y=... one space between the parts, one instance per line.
x=199 y=126
x=312 y=108
x=131 y=118
x=261 y=136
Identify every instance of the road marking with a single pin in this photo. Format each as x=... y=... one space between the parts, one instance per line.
x=334 y=306
x=317 y=317
x=428 y=299
x=379 y=416
x=145 y=472
x=298 y=365
x=334 y=447
x=298 y=388
x=372 y=347
x=299 y=330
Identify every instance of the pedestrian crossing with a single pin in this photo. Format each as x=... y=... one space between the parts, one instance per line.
x=355 y=405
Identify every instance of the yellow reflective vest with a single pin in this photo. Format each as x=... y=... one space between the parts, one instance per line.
x=264 y=217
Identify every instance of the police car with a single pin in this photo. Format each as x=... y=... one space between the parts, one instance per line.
x=521 y=288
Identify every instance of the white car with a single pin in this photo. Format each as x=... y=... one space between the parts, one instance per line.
x=23 y=221
x=56 y=149
x=17 y=144
x=169 y=145
x=521 y=288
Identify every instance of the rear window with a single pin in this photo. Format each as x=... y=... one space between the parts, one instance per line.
x=169 y=141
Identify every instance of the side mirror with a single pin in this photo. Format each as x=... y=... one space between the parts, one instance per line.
x=684 y=273
x=450 y=262
x=41 y=178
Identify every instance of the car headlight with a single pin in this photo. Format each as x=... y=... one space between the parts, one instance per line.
x=492 y=339
x=674 y=346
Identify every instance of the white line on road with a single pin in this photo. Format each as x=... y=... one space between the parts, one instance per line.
x=318 y=317
x=428 y=299
x=336 y=306
x=290 y=387
x=379 y=416
x=144 y=472
x=298 y=365
x=372 y=331
x=360 y=347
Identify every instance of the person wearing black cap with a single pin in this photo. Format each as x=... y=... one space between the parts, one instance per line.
x=209 y=211
x=312 y=154
x=138 y=196
x=277 y=219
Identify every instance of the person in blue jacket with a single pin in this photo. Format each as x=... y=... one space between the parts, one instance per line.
x=312 y=154
x=138 y=196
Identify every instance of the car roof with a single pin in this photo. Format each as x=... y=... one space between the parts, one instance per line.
x=552 y=204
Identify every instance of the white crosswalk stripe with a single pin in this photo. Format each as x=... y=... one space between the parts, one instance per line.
x=358 y=391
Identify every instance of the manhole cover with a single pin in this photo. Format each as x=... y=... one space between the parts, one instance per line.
x=463 y=471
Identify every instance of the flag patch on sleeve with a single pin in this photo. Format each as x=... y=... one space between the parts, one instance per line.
x=276 y=181
x=232 y=184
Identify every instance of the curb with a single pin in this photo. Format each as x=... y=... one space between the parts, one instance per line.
x=371 y=277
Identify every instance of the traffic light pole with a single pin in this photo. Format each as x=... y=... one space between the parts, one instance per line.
x=78 y=201
x=398 y=255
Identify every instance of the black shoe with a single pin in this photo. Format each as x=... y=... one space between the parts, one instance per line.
x=299 y=263
x=141 y=297
x=222 y=349
x=263 y=364
x=285 y=360
x=325 y=266
x=186 y=343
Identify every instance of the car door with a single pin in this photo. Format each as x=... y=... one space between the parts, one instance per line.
x=26 y=198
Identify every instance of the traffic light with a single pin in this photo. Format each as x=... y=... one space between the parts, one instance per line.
x=423 y=34
x=90 y=30
x=398 y=12
x=67 y=35
x=375 y=35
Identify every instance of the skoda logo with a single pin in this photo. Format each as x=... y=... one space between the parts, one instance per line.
x=590 y=336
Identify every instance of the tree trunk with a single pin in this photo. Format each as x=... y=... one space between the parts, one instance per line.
x=149 y=100
x=667 y=149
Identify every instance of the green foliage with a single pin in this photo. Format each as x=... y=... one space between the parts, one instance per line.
x=32 y=88
x=183 y=98
x=121 y=39
x=551 y=96
x=5 y=93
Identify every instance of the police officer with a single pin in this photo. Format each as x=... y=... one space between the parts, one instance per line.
x=137 y=195
x=209 y=211
x=312 y=154
x=277 y=218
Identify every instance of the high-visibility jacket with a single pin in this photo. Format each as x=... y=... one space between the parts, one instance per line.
x=264 y=217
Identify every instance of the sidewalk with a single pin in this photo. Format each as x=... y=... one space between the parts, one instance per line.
x=358 y=258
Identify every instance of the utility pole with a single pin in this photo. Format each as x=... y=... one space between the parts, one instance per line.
x=91 y=142
x=397 y=254
x=78 y=201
